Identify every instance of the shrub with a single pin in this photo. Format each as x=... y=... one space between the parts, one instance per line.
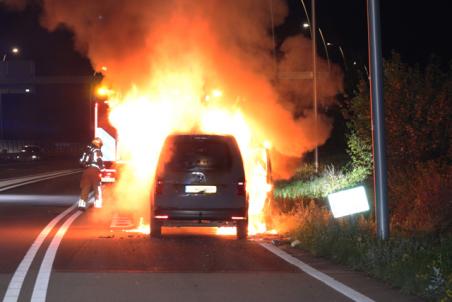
x=420 y=265
x=420 y=198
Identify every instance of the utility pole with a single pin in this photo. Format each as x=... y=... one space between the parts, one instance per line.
x=377 y=108
x=314 y=79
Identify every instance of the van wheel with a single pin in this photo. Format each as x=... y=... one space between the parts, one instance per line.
x=156 y=228
x=242 y=229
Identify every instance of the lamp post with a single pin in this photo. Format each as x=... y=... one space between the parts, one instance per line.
x=326 y=50
x=314 y=79
x=313 y=25
x=377 y=112
x=306 y=25
x=341 y=51
x=14 y=50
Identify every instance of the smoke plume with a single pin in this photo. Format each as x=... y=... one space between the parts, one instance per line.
x=225 y=44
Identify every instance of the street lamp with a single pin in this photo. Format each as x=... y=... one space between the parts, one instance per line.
x=341 y=51
x=14 y=50
x=326 y=50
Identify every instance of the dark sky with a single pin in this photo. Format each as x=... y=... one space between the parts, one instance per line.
x=415 y=29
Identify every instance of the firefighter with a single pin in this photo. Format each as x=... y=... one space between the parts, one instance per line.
x=92 y=163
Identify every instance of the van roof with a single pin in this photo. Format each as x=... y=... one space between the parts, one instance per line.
x=200 y=136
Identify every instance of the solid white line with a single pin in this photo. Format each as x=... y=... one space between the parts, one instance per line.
x=15 y=285
x=37 y=180
x=336 y=285
x=42 y=281
x=15 y=180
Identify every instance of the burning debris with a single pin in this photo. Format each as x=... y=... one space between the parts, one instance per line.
x=197 y=66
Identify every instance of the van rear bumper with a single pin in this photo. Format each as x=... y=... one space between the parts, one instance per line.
x=202 y=214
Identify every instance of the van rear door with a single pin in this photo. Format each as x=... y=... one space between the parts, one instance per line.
x=200 y=171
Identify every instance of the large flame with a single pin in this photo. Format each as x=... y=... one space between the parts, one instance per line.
x=205 y=66
x=177 y=103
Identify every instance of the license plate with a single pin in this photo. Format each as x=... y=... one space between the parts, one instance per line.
x=201 y=189
x=108 y=179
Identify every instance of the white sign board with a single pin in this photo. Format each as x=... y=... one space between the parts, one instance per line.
x=348 y=202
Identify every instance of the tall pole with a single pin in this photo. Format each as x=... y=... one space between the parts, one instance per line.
x=326 y=50
x=378 y=135
x=314 y=78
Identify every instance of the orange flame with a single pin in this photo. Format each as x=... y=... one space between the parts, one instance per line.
x=144 y=119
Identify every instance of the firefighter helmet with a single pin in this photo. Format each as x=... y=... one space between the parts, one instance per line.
x=97 y=141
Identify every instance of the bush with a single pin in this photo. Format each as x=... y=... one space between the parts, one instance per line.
x=419 y=265
x=420 y=198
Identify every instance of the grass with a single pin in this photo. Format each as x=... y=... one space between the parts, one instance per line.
x=420 y=264
x=417 y=265
x=307 y=184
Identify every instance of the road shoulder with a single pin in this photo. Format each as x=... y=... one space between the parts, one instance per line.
x=365 y=284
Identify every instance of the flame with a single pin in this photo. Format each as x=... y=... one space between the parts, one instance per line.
x=176 y=102
x=141 y=228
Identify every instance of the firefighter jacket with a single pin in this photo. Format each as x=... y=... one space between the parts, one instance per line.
x=92 y=157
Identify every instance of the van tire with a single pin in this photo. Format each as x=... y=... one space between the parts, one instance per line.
x=242 y=229
x=156 y=228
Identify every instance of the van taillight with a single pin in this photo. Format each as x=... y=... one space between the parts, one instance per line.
x=241 y=188
x=159 y=187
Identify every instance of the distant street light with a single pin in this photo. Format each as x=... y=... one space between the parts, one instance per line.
x=326 y=50
x=14 y=50
x=305 y=25
x=341 y=51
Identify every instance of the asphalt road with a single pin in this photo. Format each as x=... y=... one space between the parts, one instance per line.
x=99 y=260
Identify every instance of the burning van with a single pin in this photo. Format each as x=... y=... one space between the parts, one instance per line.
x=200 y=181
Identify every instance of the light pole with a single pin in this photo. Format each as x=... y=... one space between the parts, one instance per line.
x=313 y=25
x=14 y=50
x=326 y=50
x=377 y=113
x=314 y=79
x=341 y=51
x=306 y=26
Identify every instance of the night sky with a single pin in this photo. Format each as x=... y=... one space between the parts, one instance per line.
x=415 y=29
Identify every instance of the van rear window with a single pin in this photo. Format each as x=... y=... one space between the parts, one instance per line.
x=190 y=153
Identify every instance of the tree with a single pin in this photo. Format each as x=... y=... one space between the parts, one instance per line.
x=418 y=126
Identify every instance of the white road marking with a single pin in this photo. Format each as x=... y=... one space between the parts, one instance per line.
x=15 y=285
x=42 y=281
x=14 y=183
x=336 y=285
x=121 y=222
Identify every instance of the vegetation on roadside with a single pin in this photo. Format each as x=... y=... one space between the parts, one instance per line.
x=420 y=264
x=418 y=257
